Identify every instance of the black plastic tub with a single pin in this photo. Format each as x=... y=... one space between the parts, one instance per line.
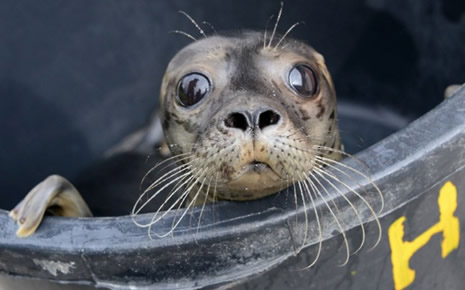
x=80 y=79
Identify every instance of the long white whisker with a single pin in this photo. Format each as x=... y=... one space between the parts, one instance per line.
x=193 y=22
x=320 y=231
x=370 y=208
x=276 y=24
x=187 y=191
x=186 y=210
x=211 y=26
x=266 y=28
x=203 y=206
x=183 y=33
x=359 y=173
x=346 y=243
x=305 y=216
x=214 y=196
x=167 y=175
x=362 y=163
x=163 y=162
x=320 y=173
x=179 y=170
x=287 y=32
x=158 y=191
x=161 y=207
x=180 y=199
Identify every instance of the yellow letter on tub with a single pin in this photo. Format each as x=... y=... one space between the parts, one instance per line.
x=402 y=251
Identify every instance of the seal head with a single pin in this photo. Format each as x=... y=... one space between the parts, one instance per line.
x=248 y=117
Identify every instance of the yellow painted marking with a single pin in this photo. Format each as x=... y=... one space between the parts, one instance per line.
x=402 y=251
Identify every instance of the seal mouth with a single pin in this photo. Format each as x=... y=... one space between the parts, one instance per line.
x=258 y=166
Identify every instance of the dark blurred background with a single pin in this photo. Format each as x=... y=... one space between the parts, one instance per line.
x=76 y=76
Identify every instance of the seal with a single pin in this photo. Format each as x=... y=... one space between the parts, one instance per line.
x=245 y=115
x=246 y=112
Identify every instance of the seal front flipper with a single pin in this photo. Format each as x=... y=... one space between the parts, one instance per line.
x=55 y=195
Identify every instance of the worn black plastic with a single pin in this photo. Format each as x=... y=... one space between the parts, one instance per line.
x=238 y=241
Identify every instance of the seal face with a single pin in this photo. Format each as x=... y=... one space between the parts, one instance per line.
x=247 y=117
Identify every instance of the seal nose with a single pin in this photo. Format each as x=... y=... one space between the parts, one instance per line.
x=266 y=118
x=238 y=120
x=259 y=119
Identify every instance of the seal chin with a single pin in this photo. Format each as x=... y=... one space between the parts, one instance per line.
x=256 y=179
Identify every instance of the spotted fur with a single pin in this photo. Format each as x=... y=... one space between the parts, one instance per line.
x=247 y=76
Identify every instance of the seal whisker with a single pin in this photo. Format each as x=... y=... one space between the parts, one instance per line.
x=210 y=25
x=183 y=33
x=203 y=207
x=186 y=210
x=187 y=177
x=324 y=164
x=346 y=243
x=192 y=182
x=343 y=153
x=287 y=32
x=166 y=176
x=331 y=200
x=296 y=202
x=182 y=199
x=135 y=212
x=361 y=198
x=154 y=219
x=312 y=137
x=276 y=24
x=304 y=240
x=214 y=197
x=265 y=32
x=193 y=22
x=133 y=215
x=317 y=218
x=170 y=174
x=320 y=173
x=188 y=154
x=359 y=173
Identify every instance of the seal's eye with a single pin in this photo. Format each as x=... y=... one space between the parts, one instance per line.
x=303 y=80
x=192 y=88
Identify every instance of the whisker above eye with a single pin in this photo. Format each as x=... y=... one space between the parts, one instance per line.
x=276 y=24
x=193 y=22
x=287 y=32
x=183 y=33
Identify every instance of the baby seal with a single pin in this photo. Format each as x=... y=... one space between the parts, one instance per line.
x=250 y=115
x=244 y=116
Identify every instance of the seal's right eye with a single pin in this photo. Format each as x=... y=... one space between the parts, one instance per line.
x=192 y=88
x=303 y=80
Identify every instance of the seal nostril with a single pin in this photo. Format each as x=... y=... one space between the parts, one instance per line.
x=268 y=118
x=237 y=120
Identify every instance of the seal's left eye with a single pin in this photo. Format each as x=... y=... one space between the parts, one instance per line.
x=192 y=88
x=303 y=80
